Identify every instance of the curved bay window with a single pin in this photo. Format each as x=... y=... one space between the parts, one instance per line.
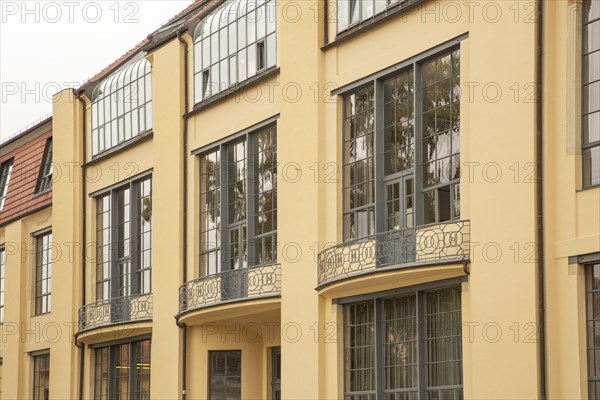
x=233 y=44
x=122 y=107
x=402 y=148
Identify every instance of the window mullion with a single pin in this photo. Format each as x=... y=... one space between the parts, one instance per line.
x=379 y=157
x=379 y=349
x=250 y=180
x=418 y=135
x=421 y=333
x=224 y=178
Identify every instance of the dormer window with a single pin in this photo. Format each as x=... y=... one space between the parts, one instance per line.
x=45 y=175
x=122 y=107
x=233 y=44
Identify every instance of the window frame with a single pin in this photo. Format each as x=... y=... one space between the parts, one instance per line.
x=388 y=7
x=38 y=359
x=6 y=169
x=589 y=273
x=2 y=281
x=225 y=226
x=44 y=182
x=226 y=354
x=134 y=235
x=377 y=299
x=43 y=298
x=587 y=169
x=376 y=81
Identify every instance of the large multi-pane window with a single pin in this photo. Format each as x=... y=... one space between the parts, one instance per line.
x=122 y=371
x=225 y=375
x=238 y=203
x=233 y=44
x=122 y=106
x=5 y=172
x=592 y=287
x=404 y=347
x=124 y=240
x=591 y=93
x=401 y=148
x=2 y=272
x=41 y=377
x=45 y=176
x=352 y=12
x=43 y=273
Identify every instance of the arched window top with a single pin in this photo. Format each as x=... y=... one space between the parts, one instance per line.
x=232 y=44
x=122 y=106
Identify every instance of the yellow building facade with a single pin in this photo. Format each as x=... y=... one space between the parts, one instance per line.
x=320 y=200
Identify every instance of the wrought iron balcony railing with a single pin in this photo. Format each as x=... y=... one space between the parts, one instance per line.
x=430 y=244
x=227 y=286
x=116 y=310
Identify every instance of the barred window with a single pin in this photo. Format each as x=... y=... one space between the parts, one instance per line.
x=386 y=356
x=43 y=273
x=122 y=106
x=591 y=93
x=124 y=241
x=233 y=44
x=238 y=225
x=45 y=174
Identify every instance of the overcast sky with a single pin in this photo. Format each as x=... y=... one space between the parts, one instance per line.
x=46 y=46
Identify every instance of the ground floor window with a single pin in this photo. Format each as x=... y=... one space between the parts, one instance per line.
x=123 y=371
x=41 y=377
x=225 y=375
x=592 y=288
x=404 y=346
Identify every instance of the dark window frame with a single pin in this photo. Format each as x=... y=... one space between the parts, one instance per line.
x=43 y=266
x=6 y=168
x=592 y=272
x=44 y=183
x=226 y=376
x=376 y=85
x=106 y=358
x=41 y=367
x=420 y=335
x=2 y=281
x=589 y=148
x=124 y=249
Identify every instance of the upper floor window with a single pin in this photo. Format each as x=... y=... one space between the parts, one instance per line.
x=233 y=44
x=43 y=273
x=123 y=238
x=238 y=203
x=122 y=106
x=353 y=12
x=5 y=171
x=591 y=93
x=2 y=271
x=417 y=182
x=45 y=174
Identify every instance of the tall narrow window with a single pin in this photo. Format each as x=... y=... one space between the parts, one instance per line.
x=124 y=241
x=359 y=164
x=43 y=273
x=45 y=174
x=5 y=172
x=592 y=287
x=591 y=93
x=246 y=169
x=388 y=355
x=122 y=106
x=41 y=377
x=225 y=375
x=235 y=42
x=122 y=371
x=2 y=272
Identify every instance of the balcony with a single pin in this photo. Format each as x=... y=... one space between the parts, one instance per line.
x=117 y=310
x=443 y=243
x=258 y=282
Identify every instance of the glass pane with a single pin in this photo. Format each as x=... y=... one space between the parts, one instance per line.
x=591 y=166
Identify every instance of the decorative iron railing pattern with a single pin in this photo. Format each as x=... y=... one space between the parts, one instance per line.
x=117 y=310
x=238 y=284
x=430 y=244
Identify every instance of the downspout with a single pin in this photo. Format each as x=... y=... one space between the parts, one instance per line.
x=83 y=241
x=540 y=196
x=185 y=201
